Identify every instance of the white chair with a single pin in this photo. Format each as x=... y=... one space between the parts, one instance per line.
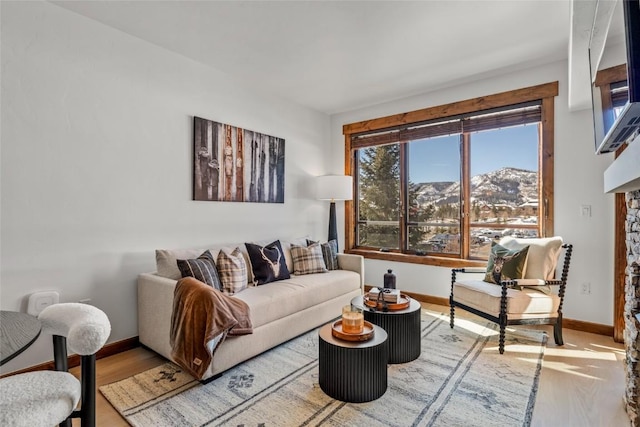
x=526 y=301
x=47 y=398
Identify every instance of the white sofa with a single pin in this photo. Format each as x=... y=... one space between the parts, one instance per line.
x=279 y=310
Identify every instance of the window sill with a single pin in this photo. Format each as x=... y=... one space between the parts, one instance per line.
x=418 y=259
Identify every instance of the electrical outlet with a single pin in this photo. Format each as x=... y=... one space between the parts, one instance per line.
x=586 y=288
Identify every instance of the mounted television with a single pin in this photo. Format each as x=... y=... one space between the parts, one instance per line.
x=627 y=122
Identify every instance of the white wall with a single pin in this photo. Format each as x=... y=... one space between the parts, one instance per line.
x=578 y=181
x=96 y=162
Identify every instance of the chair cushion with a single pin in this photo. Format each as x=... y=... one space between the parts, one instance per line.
x=543 y=255
x=521 y=304
x=42 y=398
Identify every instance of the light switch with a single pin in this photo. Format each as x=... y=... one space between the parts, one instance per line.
x=585 y=210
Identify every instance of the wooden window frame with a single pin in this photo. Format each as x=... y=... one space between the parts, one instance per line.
x=545 y=93
x=604 y=79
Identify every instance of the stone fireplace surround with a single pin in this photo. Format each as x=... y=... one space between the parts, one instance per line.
x=632 y=308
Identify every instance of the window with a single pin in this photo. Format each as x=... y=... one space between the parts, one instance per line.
x=614 y=94
x=439 y=185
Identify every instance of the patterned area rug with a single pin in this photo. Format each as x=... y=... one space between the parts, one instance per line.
x=459 y=379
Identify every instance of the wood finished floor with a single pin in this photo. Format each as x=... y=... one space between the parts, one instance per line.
x=581 y=383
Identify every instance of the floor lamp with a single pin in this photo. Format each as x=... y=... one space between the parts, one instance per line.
x=334 y=187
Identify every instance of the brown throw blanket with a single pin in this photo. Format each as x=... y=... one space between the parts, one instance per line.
x=200 y=314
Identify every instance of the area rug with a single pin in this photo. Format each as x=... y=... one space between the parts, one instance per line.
x=459 y=379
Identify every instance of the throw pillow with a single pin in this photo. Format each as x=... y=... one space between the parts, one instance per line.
x=308 y=259
x=267 y=262
x=202 y=268
x=166 y=261
x=329 y=253
x=543 y=255
x=232 y=270
x=505 y=264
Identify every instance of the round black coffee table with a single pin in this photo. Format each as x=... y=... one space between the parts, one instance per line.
x=353 y=371
x=403 y=327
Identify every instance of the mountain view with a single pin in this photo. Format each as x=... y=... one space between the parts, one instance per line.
x=506 y=186
x=502 y=202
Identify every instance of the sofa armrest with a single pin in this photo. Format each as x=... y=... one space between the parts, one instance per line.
x=155 y=305
x=354 y=263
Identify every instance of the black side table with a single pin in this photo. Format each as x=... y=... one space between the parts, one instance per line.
x=353 y=371
x=403 y=327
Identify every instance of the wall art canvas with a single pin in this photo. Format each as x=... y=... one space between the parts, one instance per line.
x=236 y=165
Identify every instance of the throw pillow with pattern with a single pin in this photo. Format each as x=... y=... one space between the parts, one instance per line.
x=505 y=264
x=232 y=270
x=308 y=259
x=329 y=253
x=267 y=262
x=202 y=268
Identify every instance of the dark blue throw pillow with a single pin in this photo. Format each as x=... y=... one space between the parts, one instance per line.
x=267 y=262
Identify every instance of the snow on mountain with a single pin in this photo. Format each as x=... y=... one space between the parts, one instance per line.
x=510 y=186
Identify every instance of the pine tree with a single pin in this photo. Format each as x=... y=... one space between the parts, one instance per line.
x=380 y=194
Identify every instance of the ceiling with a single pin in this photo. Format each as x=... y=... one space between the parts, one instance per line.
x=335 y=56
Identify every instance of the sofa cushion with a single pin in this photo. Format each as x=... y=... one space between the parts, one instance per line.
x=279 y=299
x=232 y=269
x=267 y=262
x=521 y=304
x=202 y=268
x=167 y=261
x=308 y=259
x=505 y=263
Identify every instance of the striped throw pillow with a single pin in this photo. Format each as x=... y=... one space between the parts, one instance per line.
x=202 y=268
x=308 y=260
x=233 y=271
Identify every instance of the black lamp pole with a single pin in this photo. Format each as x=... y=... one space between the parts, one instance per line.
x=333 y=228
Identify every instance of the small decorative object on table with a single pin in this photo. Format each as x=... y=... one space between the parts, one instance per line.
x=352 y=320
x=337 y=330
x=386 y=299
x=389 y=279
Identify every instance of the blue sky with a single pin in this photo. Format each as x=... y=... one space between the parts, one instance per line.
x=439 y=158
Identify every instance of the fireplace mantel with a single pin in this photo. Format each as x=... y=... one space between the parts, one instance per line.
x=623 y=175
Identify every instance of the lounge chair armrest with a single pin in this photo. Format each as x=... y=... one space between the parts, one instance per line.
x=469 y=270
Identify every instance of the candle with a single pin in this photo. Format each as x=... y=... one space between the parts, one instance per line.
x=352 y=320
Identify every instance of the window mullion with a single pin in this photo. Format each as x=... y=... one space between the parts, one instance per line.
x=465 y=196
x=403 y=211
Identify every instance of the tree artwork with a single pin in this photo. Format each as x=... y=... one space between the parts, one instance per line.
x=236 y=165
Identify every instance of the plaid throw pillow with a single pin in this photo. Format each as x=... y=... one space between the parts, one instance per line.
x=329 y=253
x=308 y=260
x=233 y=271
x=202 y=268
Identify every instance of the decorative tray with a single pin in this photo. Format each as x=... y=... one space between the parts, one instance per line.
x=367 y=332
x=405 y=301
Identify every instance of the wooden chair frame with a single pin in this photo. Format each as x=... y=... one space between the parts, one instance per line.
x=503 y=319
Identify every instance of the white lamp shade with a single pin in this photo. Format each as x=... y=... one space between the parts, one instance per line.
x=334 y=187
